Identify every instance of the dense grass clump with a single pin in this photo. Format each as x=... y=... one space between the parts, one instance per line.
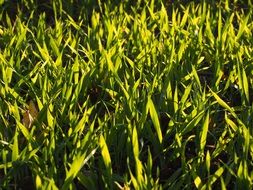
x=126 y=94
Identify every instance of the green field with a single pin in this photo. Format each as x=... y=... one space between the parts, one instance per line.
x=145 y=94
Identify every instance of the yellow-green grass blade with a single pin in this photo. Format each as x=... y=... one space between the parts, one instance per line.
x=203 y=136
x=15 y=147
x=105 y=154
x=155 y=119
x=223 y=104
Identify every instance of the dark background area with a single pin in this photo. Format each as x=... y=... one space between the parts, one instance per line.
x=82 y=9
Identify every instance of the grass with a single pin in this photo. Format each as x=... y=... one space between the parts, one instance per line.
x=126 y=95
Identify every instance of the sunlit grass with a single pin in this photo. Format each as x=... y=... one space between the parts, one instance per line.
x=140 y=95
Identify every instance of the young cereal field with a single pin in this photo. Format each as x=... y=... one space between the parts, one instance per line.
x=145 y=94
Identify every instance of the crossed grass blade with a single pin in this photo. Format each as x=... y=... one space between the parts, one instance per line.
x=223 y=104
x=75 y=168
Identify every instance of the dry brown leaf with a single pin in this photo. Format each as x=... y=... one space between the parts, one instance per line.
x=30 y=115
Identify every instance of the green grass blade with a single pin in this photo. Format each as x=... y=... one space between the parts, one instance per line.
x=204 y=131
x=15 y=149
x=105 y=154
x=223 y=104
x=155 y=119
